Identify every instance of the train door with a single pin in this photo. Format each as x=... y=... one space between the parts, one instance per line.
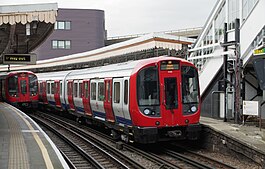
x=120 y=101
x=70 y=95
x=77 y=93
x=108 y=100
x=97 y=98
x=86 y=96
x=23 y=82
x=44 y=92
x=62 y=100
x=126 y=99
x=57 y=94
x=170 y=93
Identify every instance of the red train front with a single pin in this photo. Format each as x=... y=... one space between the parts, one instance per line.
x=165 y=101
x=19 y=88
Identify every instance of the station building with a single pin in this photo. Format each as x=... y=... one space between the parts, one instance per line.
x=225 y=55
x=75 y=31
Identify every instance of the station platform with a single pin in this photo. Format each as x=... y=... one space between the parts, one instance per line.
x=247 y=139
x=23 y=144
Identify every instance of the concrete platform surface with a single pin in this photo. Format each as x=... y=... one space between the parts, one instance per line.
x=23 y=144
x=250 y=136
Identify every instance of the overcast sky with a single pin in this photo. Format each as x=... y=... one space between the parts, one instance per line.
x=126 y=17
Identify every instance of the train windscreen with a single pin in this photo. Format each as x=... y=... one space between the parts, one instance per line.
x=190 y=90
x=190 y=85
x=13 y=86
x=148 y=87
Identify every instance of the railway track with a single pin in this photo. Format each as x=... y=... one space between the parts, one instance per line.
x=81 y=151
x=163 y=158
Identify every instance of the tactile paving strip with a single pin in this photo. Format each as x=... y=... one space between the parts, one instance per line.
x=18 y=156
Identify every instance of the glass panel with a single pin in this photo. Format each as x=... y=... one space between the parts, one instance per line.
x=23 y=85
x=33 y=84
x=54 y=44
x=49 y=88
x=101 y=91
x=190 y=85
x=80 y=90
x=75 y=90
x=93 y=91
x=52 y=88
x=86 y=90
x=61 y=44
x=116 y=92
x=126 y=92
x=108 y=90
x=61 y=25
x=233 y=13
x=148 y=87
x=67 y=25
x=67 y=44
x=13 y=86
x=171 y=93
x=61 y=88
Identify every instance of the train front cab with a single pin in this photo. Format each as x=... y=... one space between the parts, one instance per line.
x=167 y=104
x=21 y=89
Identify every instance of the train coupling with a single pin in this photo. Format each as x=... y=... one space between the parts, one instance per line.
x=174 y=133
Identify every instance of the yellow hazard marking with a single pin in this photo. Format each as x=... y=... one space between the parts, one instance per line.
x=43 y=149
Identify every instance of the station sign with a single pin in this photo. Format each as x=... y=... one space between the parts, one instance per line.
x=21 y=59
x=259 y=51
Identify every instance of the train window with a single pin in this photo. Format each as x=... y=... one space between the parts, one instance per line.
x=126 y=92
x=190 y=85
x=33 y=84
x=93 y=91
x=80 y=90
x=101 y=91
x=86 y=90
x=171 y=93
x=49 y=88
x=108 y=91
x=61 y=88
x=52 y=88
x=148 y=87
x=75 y=90
x=23 y=85
x=116 y=92
x=41 y=87
x=13 y=85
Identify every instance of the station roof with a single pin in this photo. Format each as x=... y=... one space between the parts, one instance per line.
x=39 y=18
x=150 y=41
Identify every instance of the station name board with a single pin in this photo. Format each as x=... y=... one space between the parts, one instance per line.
x=20 y=58
x=259 y=51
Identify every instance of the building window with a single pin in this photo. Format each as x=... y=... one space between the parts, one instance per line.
x=61 y=44
x=62 y=25
x=233 y=13
x=248 y=5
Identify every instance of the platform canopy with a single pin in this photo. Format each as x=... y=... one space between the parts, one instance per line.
x=25 y=27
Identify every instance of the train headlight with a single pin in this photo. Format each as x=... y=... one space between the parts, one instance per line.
x=147 y=111
x=193 y=109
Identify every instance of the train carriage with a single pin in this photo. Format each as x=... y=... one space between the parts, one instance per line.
x=19 y=88
x=51 y=87
x=145 y=101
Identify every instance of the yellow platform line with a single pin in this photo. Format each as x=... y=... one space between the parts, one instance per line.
x=43 y=149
